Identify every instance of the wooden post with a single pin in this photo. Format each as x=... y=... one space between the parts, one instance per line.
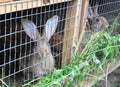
x=71 y=29
x=83 y=20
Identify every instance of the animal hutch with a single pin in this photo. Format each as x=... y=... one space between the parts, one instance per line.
x=17 y=46
x=38 y=35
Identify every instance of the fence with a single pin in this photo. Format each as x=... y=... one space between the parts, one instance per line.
x=38 y=35
x=35 y=36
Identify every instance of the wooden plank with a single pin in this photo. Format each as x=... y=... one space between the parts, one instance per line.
x=2 y=1
x=107 y=70
x=77 y=23
x=83 y=20
x=66 y=33
x=25 y=4
x=70 y=27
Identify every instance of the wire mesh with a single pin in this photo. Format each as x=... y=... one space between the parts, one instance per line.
x=19 y=57
x=101 y=15
x=17 y=52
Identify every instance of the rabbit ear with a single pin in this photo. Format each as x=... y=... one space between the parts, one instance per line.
x=95 y=10
x=30 y=28
x=90 y=13
x=51 y=26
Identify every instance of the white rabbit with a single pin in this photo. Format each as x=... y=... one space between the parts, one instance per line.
x=43 y=60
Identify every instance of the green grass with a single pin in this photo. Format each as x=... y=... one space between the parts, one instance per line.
x=101 y=49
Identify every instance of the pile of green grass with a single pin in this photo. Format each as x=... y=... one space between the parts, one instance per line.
x=102 y=48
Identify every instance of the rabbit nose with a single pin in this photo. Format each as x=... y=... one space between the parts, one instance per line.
x=42 y=53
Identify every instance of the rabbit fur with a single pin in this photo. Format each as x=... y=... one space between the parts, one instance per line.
x=43 y=59
x=96 y=21
x=94 y=24
x=57 y=39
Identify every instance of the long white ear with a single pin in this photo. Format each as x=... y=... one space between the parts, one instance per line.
x=30 y=28
x=51 y=26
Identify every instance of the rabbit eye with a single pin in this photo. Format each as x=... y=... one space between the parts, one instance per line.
x=97 y=20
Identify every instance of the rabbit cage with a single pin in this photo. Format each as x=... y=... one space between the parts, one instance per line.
x=33 y=29
x=29 y=25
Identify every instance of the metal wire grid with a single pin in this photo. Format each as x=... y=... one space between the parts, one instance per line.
x=16 y=46
x=106 y=8
x=104 y=14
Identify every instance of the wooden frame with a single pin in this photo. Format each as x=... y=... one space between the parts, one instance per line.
x=24 y=4
x=83 y=21
x=70 y=30
x=79 y=24
x=3 y=1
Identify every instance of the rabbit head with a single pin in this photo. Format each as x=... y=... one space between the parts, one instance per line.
x=97 y=22
x=43 y=46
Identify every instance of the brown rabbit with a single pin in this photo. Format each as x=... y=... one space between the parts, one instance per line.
x=43 y=59
x=94 y=24
x=56 y=42
x=96 y=21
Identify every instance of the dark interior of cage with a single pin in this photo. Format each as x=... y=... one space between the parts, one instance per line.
x=15 y=45
x=109 y=9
